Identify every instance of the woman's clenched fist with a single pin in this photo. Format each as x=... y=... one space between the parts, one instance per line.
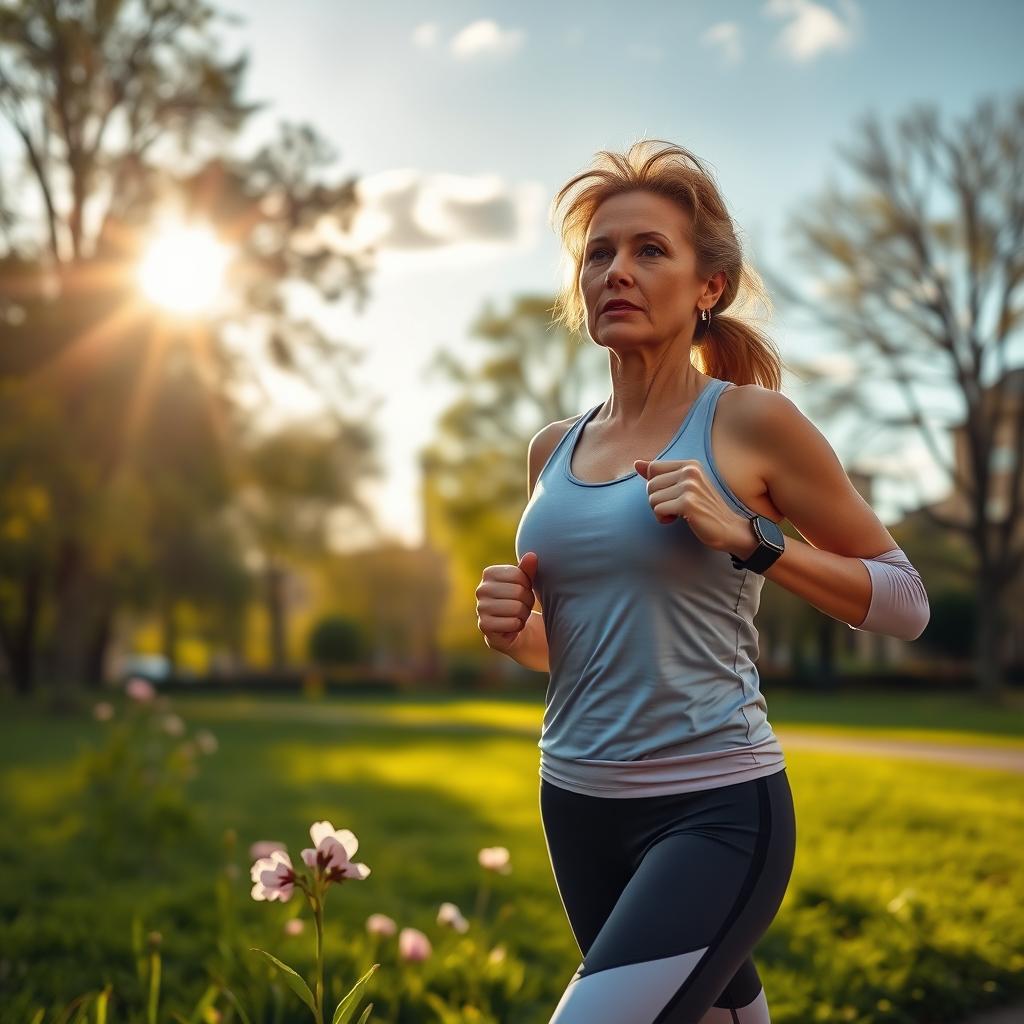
x=504 y=602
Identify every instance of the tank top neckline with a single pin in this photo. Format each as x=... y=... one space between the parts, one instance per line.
x=585 y=419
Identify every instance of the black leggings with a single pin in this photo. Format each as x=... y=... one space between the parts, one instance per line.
x=667 y=897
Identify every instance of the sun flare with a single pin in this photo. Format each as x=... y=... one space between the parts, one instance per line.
x=183 y=269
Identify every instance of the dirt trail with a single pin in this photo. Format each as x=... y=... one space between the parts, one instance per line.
x=1004 y=759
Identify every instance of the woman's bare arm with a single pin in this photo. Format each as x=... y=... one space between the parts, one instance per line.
x=851 y=568
x=531 y=648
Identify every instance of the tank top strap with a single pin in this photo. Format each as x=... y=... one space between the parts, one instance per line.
x=694 y=425
x=565 y=442
x=709 y=399
x=714 y=393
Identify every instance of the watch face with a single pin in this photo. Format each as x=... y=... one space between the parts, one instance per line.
x=770 y=532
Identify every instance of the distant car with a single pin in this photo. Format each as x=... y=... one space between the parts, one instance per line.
x=156 y=668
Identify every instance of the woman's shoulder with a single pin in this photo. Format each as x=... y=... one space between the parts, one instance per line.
x=749 y=407
x=544 y=442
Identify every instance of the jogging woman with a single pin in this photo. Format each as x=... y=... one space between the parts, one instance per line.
x=650 y=527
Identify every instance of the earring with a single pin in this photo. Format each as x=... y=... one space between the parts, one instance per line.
x=704 y=324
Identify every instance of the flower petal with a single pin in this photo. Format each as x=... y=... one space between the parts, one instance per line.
x=347 y=839
x=319 y=830
x=335 y=852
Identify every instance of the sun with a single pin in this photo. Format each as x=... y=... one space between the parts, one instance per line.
x=183 y=268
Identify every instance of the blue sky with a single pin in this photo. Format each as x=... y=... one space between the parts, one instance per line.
x=440 y=105
x=463 y=119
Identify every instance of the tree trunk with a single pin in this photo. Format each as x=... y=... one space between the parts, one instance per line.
x=170 y=633
x=74 y=620
x=826 y=675
x=276 y=613
x=988 y=661
x=20 y=642
x=97 y=653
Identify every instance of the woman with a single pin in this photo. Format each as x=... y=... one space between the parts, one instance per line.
x=664 y=797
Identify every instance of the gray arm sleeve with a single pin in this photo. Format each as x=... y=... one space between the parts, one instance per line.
x=899 y=603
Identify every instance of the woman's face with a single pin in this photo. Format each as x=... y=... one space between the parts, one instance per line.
x=657 y=272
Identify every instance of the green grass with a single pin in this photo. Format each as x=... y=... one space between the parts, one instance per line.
x=941 y=718
x=903 y=906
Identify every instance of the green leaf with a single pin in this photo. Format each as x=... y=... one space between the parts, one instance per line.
x=154 y=987
x=207 y=1000
x=344 y=1010
x=101 y=1005
x=365 y=1016
x=238 y=1006
x=298 y=986
x=82 y=1013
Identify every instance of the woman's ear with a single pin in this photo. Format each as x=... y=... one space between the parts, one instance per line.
x=714 y=288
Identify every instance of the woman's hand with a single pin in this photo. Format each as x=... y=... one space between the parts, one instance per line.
x=504 y=602
x=678 y=489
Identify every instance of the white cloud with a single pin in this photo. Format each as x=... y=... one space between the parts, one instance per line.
x=425 y=35
x=725 y=34
x=486 y=37
x=813 y=28
x=406 y=211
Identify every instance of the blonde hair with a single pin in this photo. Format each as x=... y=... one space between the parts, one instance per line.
x=733 y=348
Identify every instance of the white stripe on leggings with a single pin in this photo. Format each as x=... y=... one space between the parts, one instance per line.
x=631 y=992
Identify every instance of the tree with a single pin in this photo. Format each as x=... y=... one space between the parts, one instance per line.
x=919 y=268
x=91 y=89
x=291 y=482
x=122 y=110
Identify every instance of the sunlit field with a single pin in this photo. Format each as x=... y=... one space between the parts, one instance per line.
x=904 y=903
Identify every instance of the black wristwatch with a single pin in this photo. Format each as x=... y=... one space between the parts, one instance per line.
x=771 y=542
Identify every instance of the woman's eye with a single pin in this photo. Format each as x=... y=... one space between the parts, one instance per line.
x=649 y=245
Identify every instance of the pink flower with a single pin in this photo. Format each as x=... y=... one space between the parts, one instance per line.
x=495 y=858
x=413 y=945
x=496 y=955
x=274 y=877
x=264 y=848
x=103 y=711
x=173 y=725
x=140 y=689
x=333 y=853
x=381 y=924
x=294 y=926
x=206 y=741
x=449 y=914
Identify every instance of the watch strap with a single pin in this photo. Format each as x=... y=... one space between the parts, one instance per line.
x=763 y=556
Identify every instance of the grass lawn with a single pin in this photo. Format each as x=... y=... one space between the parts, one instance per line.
x=904 y=903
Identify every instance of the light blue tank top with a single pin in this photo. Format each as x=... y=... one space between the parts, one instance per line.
x=653 y=686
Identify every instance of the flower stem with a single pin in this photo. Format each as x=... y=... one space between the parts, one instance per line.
x=318 y=911
x=481 y=897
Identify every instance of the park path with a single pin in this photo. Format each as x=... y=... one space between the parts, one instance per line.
x=1007 y=759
